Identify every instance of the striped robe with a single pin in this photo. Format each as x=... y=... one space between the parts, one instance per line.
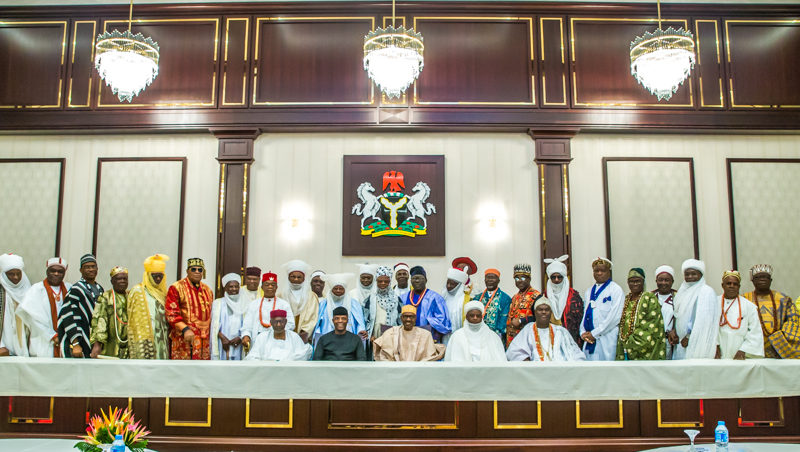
x=75 y=317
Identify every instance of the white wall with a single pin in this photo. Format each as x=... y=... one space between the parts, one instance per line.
x=81 y=153
x=709 y=153
x=485 y=174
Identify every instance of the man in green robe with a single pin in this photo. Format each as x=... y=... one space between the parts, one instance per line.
x=641 y=328
x=110 y=318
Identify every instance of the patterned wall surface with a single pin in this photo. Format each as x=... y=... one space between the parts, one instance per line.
x=766 y=208
x=650 y=212
x=29 y=212
x=139 y=211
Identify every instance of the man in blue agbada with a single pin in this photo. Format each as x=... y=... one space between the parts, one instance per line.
x=431 y=307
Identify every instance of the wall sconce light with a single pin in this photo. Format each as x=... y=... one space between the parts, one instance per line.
x=295 y=221
x=492 y=222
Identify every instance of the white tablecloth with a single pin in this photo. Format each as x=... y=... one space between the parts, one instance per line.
x=38 y=445
x=630 y=380
x=732 y=447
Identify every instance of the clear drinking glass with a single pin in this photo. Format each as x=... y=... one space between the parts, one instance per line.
x=691 y=434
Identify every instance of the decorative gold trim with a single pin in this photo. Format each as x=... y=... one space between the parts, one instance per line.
x=699 y=63
x=453 y=426
x=168 y=423
x=72 y=62
x=565 y=185
x=536 y=426
x=541 y=53
x=30 y=420
x=249 y=424
x=244 y=201
x=542 y=191
x=532 y=48
x=747 y=424
x=579 y=424
x=221 y=194
x=225 y=61
x=4 y=23
x=728 y=49
x=371 y=20
x=210 y=103
x=662 y=424
x=575 y=102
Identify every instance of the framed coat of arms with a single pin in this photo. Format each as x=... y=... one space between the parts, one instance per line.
x=393 y=205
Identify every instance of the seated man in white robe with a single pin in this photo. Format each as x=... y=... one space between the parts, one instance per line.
x=278 y=343
x=39 y=310
x=543 y=341
x=407 y=342
x=740 y=333
x=475 y=341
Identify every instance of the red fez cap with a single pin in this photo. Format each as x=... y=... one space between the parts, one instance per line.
x=470 y=264
x=277 y=313
x=269 y=276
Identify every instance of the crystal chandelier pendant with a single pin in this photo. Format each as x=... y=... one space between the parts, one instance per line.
x=662 y=60
x=127 y=62
x=393 y=58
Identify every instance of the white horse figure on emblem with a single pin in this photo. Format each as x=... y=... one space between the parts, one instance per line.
x=371 y=204
x=417 y=206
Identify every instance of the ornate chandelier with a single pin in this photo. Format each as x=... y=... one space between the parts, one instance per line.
x=662 y=60
x=128 y=63
x=393 y=57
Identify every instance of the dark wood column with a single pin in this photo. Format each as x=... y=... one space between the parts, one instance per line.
x=552 y=158
x=235 y=157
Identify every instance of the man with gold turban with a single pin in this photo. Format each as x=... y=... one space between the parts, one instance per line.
x=188 y=308
x=148 y=330
x=110 y=318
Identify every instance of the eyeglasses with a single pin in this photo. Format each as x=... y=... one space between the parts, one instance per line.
x=196 y=269
x=521 y=278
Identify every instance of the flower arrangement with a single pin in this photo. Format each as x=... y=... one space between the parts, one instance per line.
x=118 y=422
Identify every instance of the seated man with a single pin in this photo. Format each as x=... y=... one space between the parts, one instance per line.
x=340 y=344
x=407 y=342
x=338 y=297
x=278 y=343
x=543 y=341
x=475 y=341
x=739 y=327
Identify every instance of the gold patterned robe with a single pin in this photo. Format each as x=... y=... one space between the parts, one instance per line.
x=147 y=328
x=782 y=328
x=110 y=324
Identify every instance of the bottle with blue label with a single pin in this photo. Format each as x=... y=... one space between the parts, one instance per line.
x=721 y=437
x=118 y=445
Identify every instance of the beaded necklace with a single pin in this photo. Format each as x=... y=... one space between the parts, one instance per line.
x=490 y=298
x=539 y=344
x=261 y=312
x=631 y=320
x=419 y=300
x=723 y=319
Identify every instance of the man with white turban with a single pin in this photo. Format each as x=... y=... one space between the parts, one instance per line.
x=697 y=314
x=14 y=284
x=402 y=276
x=338 y=297
x=365 y=286
x=543 y=341
x=301 y=298
x=604 y=301
x=567 y=302
x=317 y=284
x=665 y=278
x=455 y=298
x=227 y=319
x=475 y=341
x=39 y=310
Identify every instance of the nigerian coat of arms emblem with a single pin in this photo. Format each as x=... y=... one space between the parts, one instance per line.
x=394 y=213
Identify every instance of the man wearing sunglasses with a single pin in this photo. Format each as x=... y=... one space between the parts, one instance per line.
x=188 y=309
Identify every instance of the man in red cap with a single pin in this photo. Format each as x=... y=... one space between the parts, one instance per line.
x=469 y=267
x=278 y=343
x=188 y=311
x=257 y=319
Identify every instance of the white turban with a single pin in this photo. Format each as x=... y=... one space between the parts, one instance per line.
x=694 y=264
x=457 y=275
x=297 y=265
x=337 y=279
x=474 y=304
x=402 y=266
x=541 y=301
x=231 y=277
x=557 y=266
x=57 y=262
x=384 y=270
x=319 y=273
x=367 y=269
x=11 y=262
x=665 y=269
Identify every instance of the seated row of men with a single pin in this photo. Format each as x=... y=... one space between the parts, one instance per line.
x=406 y=321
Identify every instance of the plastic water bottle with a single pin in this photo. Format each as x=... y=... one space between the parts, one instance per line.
x=119 y=444
x=721 y=437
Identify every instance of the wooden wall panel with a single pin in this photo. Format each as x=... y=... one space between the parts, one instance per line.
x=312 y=60
x=763 y=63
x=81 y=65
x=476 y=60
x=709 y=69
x=187 y=68
x=601 y=65
x=43 y=415
x=236 y=62
x=32 y=56
x=553 y=61
x=670 y=417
